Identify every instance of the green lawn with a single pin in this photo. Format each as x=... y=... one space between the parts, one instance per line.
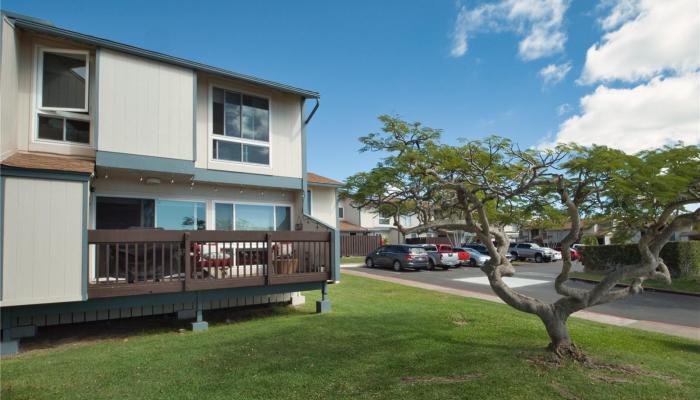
x=382 y=341
x=352 y=260
x=687 y=285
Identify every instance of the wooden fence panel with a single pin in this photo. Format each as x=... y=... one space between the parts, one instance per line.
x=358 y=245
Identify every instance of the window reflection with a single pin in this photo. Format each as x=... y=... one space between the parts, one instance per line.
x=180 y=215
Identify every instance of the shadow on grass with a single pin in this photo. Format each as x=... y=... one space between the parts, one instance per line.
x=55 y=336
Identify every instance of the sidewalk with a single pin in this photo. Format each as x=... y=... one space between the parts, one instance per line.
x=649 y=326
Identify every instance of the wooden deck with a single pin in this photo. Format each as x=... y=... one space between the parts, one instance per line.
x=151 y=261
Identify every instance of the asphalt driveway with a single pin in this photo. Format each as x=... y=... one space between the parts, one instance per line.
x=536 y=280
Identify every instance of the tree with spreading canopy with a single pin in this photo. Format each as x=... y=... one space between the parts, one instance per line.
x=480 y=186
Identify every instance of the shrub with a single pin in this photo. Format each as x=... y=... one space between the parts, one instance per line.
x=589 y=240
x=682 y=258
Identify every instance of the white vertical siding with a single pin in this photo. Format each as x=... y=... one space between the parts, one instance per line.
x=323 y=204
x=8 y=90
x=145 y=107
x=43 y=241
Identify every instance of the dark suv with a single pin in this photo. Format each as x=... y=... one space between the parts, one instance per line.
x=398 y=256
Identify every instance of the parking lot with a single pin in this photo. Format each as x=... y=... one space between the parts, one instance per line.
x=536 y=280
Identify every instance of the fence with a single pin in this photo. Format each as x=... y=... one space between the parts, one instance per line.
x=358 y=245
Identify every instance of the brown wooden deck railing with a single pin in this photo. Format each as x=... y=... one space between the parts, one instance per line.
x=143 y=261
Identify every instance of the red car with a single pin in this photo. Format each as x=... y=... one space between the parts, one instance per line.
x=575 y=255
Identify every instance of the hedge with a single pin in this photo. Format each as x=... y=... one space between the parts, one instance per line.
x=682 y=258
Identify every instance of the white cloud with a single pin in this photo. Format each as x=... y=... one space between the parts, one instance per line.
x=655 y=46
x=553 y=73
x=664 y=36
x=647 y=116
x=622 y=11
x=539 y=21
x=564 y=109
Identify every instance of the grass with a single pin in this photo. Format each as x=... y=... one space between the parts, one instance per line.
x=381 y=341
x=684 y=285
x=352 y=260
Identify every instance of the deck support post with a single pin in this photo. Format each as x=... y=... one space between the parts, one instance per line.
x=200 y=325
x=11 y=337
x=323 y=305
x=9 y=347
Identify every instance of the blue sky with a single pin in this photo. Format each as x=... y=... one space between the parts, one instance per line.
x=368 y=58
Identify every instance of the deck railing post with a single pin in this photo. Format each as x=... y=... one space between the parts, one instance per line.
x=186 y=254
x=266 y=269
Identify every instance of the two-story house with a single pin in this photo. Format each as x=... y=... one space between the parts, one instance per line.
x=367 y=221
x=137 y=183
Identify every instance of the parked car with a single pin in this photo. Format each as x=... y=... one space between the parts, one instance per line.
x=464 y=256
x=398 y=257
x=482 y=249
x=575 y=255
x=556 y=255
x=476 y=258
x=524 y=251
x=441 y=255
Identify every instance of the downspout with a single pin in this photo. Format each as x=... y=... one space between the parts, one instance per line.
x=311 y=115
x=304 y=183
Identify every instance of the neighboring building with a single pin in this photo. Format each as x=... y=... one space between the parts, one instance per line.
x=367 y=221
x=554 y=235
x=135 y=183
x=321 y=199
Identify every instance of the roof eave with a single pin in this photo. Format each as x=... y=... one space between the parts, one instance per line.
x=35 y=25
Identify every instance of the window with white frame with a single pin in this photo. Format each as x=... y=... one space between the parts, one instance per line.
x=252 y=217
x=240 y=127
x=62 y=111
x=341 y=213
x=384 y=220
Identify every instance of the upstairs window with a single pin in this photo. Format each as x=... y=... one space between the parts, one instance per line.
x=240 y=127
x=341 y=213
x=62 y=96
x=384 y=220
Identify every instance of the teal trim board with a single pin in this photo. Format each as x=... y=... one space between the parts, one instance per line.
x=170 y=165
x=86 y=191
x=43 y=174
x=10 y=314
x=336 y=238
x=96 y=107
x=2 y=227
x=143 y=163
x=240 y=178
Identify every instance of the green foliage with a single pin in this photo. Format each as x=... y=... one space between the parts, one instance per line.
x=589 y=240
x=495 y=181
x=643 y=185
x=681 y=258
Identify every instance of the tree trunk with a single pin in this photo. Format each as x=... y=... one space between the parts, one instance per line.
x=560 y=341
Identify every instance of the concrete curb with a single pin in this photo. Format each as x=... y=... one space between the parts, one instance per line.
x=646 y=289
x=683 y=331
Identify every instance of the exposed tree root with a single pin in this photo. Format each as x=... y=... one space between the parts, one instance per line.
x=440 y=379
x=622 y=373
x=568 y=352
